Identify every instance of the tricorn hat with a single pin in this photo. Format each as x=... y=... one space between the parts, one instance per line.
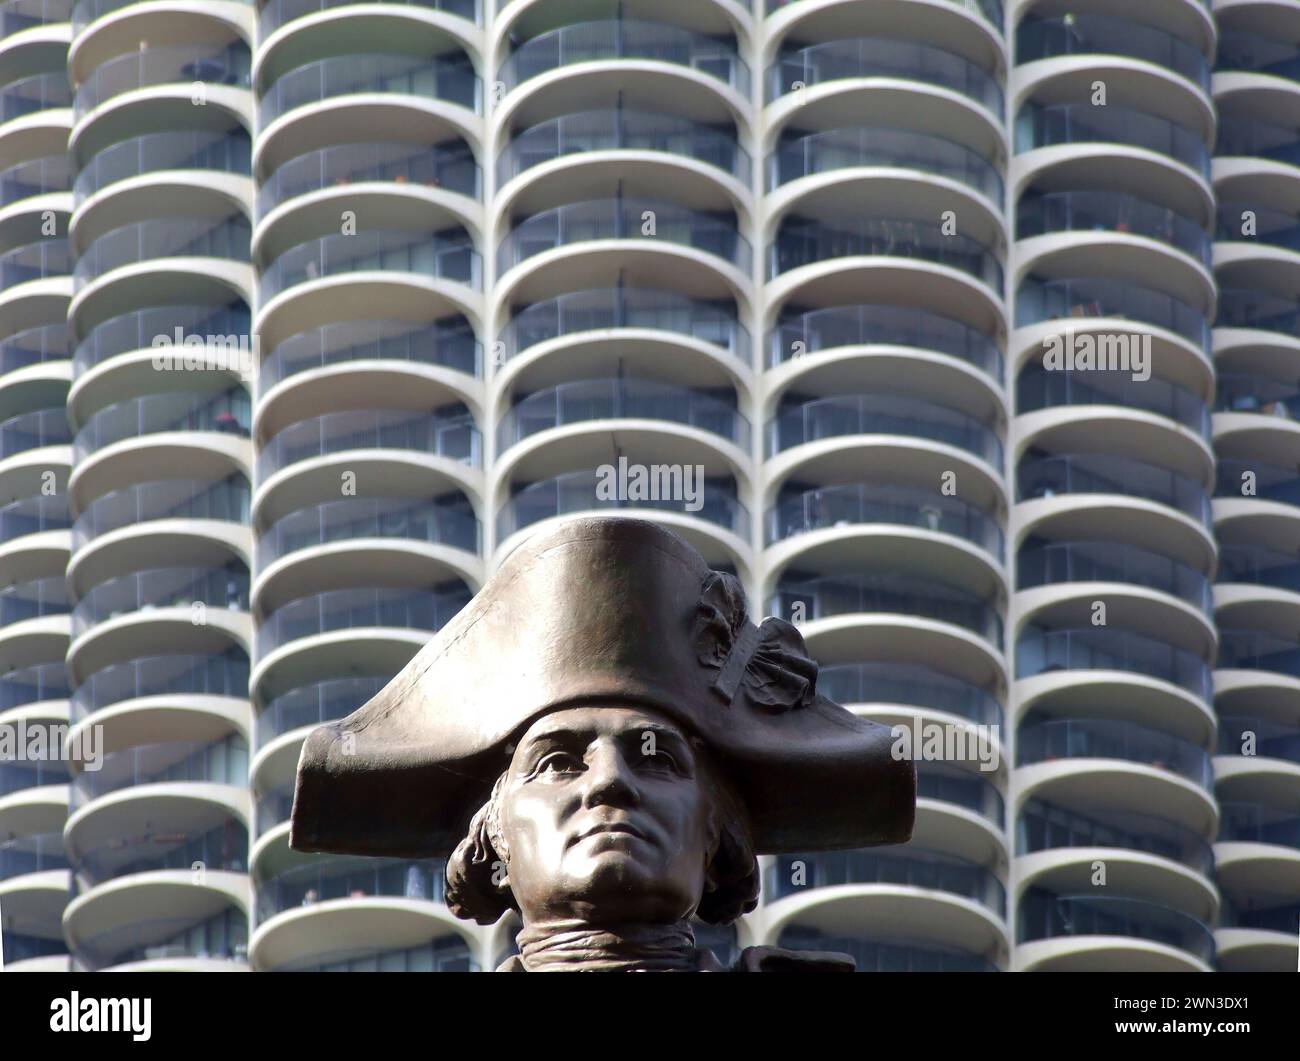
x=601 y=611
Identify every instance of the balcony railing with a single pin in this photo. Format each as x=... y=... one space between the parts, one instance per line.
x=445 y=521
x=87 y=11
x=1259 y=565
x=220 y=762
x=20 y=855
x=1044 y=827
x=610 y=40
x=33 y=684
x=798 y=511
x=227 y=413
x=450 y=79
x=38 y=92
x=807 y=600
x=1041 y=388
x=1258 y=479
x=1118 y=212
x=18 y=15
x=949 y=783
x=180 y=65
x=18 y=775
x=1052 y=125
x=32 y=515
x=451 y=166
x=312 y=705
x=350 y=609
x=1059 y=563
x=173 y=675
x=583 y=491
x=1258 y=823
x=602 y=309
x=883 y=325
x=326 y=878
x=1257 y=53
x=162 y=587
x=216 y=152
x=623 y=130
x=1092 y=738
x=864 y=57
x=1273 y=228
x=39 y=176
x=34 y=261
x=277 y=13
x=1075 y=300
x=146 y=241
x=1262 y=310
x=33 y=599
x=1043 y=915
x=1095 y=473
x=220 y=847
x=34 y=430
x=1099 y=648
x=910 y=684
x=991 y=10
x=379 y=250
x=226 y=329
x=35 y=346
x=1240 y=135
x=1259 y=650
x=622 y=399
x=447 y=433
x=1093 y=34
x=450 y=343
x=194 y=499
x=221 y=937
x=648 y=220
x=834 y=149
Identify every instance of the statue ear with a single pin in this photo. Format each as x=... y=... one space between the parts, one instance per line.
x=478 y=881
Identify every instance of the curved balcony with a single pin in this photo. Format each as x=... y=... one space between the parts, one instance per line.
x=1260 y=310
x=1258 y=479
x=805 y=241
x=582 y=492
x=1259 y=650
x=1242 y=136
x=444 y=521
x=451 y=80
x=391 y=250
x=16 y=776
x=325 y=878
x=451 y=954
x=162 y=587
x=279 y=13
x=31 y=685
x=222 y=762
x=795 y=157
x=621 y=399
x=609 y=40
x=1059 y=124
x=1089 y=473
x=32 y=515
x=809 y=599
x=347 y=609
x=601 y=309
x=1039 y=388
x=910 y=684
x=34 y=430
x=18 y=15
x=38 y=176
x=877 y=956
x=799 y=422
x=1040 y=300
x=913 y=867
x=1085 y=33
x=220 y=846
x=864 y=57
x=1038 y=214
x=1044 y=827
x=142 y=329
x=450 y=344
x=38 y=92
x=1273 y=228
x=309 y=705
x=622 y=130
x=450 y=434
x=798 y=511
x=34 y=261
x=952 y=784
x=1101 y=648
x=173 y=64
x=868 y=325
x=1058 y=563
x=174 y=675
x=87 y=11
x=226 y=413
x=145 y=241
x=1044 y=916
x=1243 y=52
x=1044 y=742
x=276 y=806
x=32 y=599
x=452 y=167
x=1281 y=917
x=180 y=941
x=226 y=500
x=35 y=346
x=40 y=853
x=153 y=153
x=623 y=219
x=1258 y=823
x=1259 y=566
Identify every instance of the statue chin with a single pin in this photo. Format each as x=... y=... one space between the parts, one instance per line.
x=615 y=886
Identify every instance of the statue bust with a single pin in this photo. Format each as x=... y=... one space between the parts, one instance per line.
x=603 y=741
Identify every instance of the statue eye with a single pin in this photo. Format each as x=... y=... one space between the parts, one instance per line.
x=661 y=760
x=558 y=763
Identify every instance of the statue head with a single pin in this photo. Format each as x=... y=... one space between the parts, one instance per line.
x=602 y=736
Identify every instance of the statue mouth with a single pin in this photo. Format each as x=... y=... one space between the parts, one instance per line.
x=611 y=829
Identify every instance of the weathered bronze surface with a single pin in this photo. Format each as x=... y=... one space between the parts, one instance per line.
x=603 y=741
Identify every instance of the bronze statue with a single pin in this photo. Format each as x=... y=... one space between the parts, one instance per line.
x=603 y=741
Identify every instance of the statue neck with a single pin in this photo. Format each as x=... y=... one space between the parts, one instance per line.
x=574 y=946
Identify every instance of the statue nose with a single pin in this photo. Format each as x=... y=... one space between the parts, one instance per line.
x=609 y=778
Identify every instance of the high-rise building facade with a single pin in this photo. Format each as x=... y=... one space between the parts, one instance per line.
x=967 y=337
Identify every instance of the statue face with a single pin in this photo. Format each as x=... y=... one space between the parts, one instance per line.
x=606 y=818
